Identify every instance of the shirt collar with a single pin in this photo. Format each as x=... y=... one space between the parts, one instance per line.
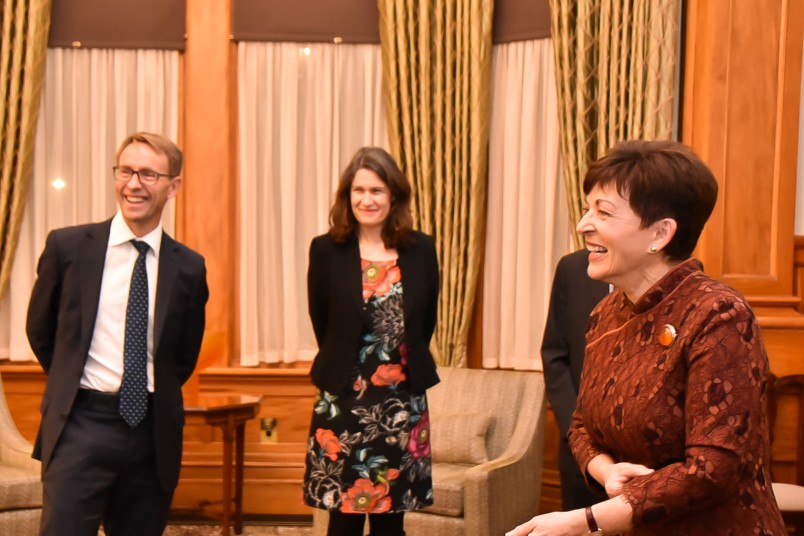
x=120 y=233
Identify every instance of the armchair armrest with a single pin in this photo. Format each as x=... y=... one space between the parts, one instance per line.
x=494 y=490
x=15 y=450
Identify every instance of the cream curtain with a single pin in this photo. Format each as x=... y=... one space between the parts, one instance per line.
x=528 y=226
x=615 y=65
x=22 y=63
x=91 y=100
x=304 y=110
x=436 y=74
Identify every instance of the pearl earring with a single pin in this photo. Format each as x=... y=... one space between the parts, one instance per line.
x=653 y=249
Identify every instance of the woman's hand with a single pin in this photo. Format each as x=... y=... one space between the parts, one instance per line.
x=612 y=475
x=572 y=523
x=619 y=474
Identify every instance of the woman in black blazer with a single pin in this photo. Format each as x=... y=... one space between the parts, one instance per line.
x=372 y=287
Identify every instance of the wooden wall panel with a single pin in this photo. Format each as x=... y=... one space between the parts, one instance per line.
x=740 y=113
x=207 y=220
x=798 y=274
x=273 y=469
x=551 y=478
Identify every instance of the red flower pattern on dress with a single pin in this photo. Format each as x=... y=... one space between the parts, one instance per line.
x=390 y=474
x=419 y=444
x=359 y=386
x=378 y=277
x=388 y=375
x=366 y=498
x=329 y=443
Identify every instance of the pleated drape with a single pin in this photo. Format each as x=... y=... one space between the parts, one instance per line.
x=615 y=78
x=436 y=74
x=22 y=65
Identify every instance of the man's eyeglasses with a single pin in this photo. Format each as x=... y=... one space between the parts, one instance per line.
x=146 y=176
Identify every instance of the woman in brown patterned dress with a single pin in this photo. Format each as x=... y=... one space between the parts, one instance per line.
x=671 y=418
x=373 y=295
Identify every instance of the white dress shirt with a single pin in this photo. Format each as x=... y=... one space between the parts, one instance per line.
x=104 y=367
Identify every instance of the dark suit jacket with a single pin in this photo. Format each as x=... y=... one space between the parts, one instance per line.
x=61 y=320
x=338 y=314
x=572 y=299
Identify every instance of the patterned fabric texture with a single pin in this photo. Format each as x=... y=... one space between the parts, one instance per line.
x=19 y=489
x=677 y=382
x=134 y=386
x=20 y=522
x=369 y=447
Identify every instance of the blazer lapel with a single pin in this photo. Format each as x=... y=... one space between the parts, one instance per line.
x=168 y=271
x=349 y=262
x=410 y=279
x=92 y=258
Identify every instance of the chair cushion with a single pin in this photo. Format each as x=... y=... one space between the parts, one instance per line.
x=19 y=489
x=789 y=497
x=459 y=437
x=448 y=482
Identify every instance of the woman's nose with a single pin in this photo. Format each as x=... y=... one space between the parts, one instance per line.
x=583 y=225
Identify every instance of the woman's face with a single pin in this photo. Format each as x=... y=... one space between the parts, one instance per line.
x=370 y=199
x=619 y=249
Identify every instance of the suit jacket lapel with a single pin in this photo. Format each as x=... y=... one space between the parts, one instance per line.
x=92 y=254
x=168 y=271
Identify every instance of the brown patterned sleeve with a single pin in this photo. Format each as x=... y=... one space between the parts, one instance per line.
x=581 y=444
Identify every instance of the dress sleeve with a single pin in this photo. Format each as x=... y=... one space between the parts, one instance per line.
x=581 y=444
x=724 y=417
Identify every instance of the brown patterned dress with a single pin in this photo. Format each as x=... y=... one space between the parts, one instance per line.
x=689 y=405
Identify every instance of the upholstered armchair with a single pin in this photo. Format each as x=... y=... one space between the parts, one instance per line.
x=487 y=440
x=20 y=484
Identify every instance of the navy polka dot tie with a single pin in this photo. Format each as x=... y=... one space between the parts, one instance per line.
x=134 y=387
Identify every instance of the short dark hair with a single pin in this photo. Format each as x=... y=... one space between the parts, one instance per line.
x=158 y=143
x=660 y=179
x=397 y=229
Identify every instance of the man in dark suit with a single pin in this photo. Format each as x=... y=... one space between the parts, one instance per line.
x=572 y=299
x=116 y=319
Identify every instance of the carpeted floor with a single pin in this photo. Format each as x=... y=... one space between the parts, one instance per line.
x=261 y=529
x=248 y=530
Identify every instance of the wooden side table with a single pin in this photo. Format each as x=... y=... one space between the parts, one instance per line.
x=229 y=412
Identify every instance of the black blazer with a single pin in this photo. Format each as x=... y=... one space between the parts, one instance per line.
x=338 y=313
x=574 y=295
x=61 y=320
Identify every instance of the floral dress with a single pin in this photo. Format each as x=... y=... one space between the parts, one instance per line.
x=368 y=451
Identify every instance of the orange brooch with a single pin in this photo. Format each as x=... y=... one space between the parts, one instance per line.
x=667 y=336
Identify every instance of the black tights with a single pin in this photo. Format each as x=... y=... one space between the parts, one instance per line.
x=341 y=524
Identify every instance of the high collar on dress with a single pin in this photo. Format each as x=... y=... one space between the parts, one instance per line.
x=667 y=284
